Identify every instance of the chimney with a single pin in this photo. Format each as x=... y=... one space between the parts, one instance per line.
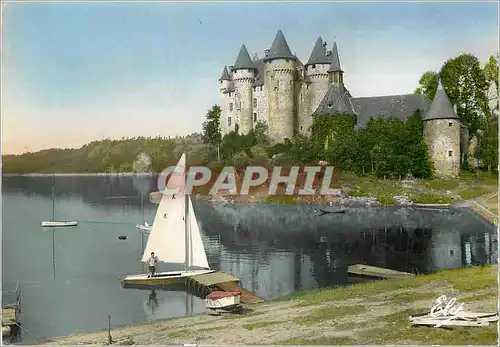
x=266 y=52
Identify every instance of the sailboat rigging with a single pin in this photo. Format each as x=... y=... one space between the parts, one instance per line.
x=55 y=223
x=175 y=215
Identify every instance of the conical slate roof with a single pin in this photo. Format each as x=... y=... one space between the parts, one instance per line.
x=336 y=101
x=280 y=48
x=225 y=75
x=441 y=107
x=318 y=55
x=243 y=60
x=335 y=62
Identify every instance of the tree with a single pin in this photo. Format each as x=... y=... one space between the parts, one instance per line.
x=491 y=75
x=488 y=145
x=260 y=133
x=428 y=83
x=464 y=82
x=211 y=127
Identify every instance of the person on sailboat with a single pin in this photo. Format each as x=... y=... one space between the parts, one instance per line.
x=152 y=261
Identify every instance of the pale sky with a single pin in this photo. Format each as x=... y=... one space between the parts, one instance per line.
x=74 y=73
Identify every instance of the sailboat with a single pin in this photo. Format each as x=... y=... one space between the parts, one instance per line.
x=174 y=237
x=144 y=227
x=57 y=223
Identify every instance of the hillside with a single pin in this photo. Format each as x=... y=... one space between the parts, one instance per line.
x=104 y=156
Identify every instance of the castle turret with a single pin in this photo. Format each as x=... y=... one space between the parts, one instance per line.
x=315 y=86
x=224 y=80
x=336 y=75
x=243 y=77
x=442 y=135
x=279 y=80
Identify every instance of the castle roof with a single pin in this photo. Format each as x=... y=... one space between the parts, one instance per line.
x=243 y=60
x=335 y=61
x=441 y=107
x=397 y=106
x=280 y=48
x=318 y=55
x=225 y=75
x=335 y=101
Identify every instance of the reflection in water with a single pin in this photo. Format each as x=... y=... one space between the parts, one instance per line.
x=153 y=301
x=273 y=250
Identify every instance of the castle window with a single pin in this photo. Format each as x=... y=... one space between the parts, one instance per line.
x=330 y=105
x=301 y=127
x=255 y=117
x=450 y=124
x=276 y=88
x=255 y=102
x=291 y=82
x=229 y=122
x=450 y=153
x=313 y=66
x=231 y=107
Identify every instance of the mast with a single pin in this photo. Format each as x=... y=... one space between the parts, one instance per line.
x=186 y=225
x=53 y=197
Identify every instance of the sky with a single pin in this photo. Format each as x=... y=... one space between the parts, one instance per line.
x=75 y=73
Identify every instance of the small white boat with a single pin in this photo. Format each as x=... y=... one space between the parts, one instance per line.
x=144 y=228
x=222 y=300
x=59 y=223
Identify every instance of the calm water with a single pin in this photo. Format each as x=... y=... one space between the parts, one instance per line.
x=70 y=277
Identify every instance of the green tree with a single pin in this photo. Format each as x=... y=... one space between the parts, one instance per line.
x=491 y=76
x=464 y=82
x=211 y=127
x=428 y=83
x=488 y=145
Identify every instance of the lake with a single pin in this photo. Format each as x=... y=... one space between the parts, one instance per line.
x=70 y=277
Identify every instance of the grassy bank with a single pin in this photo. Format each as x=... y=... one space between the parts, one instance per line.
x=367 y=313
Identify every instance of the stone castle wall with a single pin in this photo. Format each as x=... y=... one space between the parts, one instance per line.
x=443 y=140
x=279 y=80
x=243 y=106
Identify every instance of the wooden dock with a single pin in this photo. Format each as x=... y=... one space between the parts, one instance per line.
x=376 y=272
x=227 y=283
x=11 y=315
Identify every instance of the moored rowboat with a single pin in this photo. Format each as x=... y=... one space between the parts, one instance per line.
x=59 y=223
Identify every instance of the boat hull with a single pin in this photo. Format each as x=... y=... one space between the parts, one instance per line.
x=168 y=279
x=226 y=302
x=59 y=224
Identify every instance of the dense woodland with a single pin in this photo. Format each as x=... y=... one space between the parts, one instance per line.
x=384 y=148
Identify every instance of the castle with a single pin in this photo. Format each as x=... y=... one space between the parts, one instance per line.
x=285 y=94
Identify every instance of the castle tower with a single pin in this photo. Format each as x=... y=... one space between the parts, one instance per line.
x=315 y=86
x=279 y=79
x=224 y=89
x=244 y=73
x=442 y=135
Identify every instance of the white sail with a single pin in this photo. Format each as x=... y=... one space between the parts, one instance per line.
x=197 y=256
x=166 y=238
